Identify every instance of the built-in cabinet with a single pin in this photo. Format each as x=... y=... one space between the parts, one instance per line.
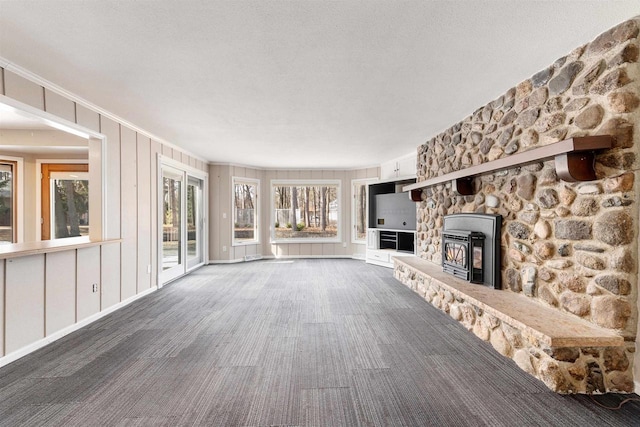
x=383 y=244
x=392 y=222
x=398 y=168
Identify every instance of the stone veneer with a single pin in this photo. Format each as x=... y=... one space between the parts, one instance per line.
x=570 y=246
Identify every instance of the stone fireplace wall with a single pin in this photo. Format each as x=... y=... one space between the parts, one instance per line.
x=571 y=246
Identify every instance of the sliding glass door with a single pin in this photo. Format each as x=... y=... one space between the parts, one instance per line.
x=172 y=230
x=195 y=222
x=182 y=233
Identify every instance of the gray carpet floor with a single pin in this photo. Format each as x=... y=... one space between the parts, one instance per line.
x=295 y=343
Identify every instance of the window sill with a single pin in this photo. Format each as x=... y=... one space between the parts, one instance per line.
x=15 y=250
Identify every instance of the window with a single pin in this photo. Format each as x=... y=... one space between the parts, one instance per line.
x=8 y=229
x=65 y=200
x=303 y=211
x=360 y=194
x=245 y=211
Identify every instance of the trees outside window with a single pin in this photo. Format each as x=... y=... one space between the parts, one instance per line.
x=245 y=211
x=306 y=210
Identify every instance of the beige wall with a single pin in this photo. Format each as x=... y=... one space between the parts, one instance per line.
x=119 y=269
x=221 y=218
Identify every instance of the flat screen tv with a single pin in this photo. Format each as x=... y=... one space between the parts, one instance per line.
x=395 y=211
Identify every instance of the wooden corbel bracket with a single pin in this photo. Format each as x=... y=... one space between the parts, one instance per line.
x=574 y=161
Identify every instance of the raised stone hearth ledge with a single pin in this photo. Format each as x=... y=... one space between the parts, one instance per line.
x=569 y=354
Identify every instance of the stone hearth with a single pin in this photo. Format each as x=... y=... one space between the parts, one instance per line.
x=568 y=354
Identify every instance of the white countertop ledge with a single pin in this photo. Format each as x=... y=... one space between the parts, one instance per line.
x=15 y=250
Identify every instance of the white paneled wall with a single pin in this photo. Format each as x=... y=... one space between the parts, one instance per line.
x=87 y=282
x=49 y=293
x=60 y=290
x=110 y=275
x=24 y=301
x=129 y=210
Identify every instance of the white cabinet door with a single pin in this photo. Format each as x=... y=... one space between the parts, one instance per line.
x=400 y=167
x=407 y=166
x=372 y=239
x=388 y=170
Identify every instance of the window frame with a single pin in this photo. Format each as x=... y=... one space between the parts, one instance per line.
x=305 y=183
x=17 y=165
x=366 y=182
x=256 y=231
x=44 y=205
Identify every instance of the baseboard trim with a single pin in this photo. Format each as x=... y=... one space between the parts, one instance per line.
x=358 y=257
x=312 y=257
x=17 y=354
x=226 y=261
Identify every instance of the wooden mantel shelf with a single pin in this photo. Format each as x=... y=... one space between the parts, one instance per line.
x=574 y=158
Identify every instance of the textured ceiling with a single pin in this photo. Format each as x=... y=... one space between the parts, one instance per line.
x=309 y=84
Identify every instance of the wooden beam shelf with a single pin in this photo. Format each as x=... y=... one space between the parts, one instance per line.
x=574 y=159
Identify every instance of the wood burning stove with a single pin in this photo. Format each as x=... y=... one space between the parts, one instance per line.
x=462 y=254
x=471 y=247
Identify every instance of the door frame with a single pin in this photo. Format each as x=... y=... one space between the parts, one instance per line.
x=186 y=171
x=200 y=226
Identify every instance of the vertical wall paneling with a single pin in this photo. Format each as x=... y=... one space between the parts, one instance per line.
x=129 y=212
x=226 y=221
x=24 y=293
x=96 y=191
x=2 y=90
x=111 y=130
x=155 y=150
x=87 y=118
x=2 y=263
x=214 y=212
x=59 y=105
x=110 y=275
x=294 y=249
x=88 y=282
x=60 y=290
x=167 y=151
x=144 y=212
x=176 y=155
x=306 y=249
x=316 y=249
x=23 y=90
